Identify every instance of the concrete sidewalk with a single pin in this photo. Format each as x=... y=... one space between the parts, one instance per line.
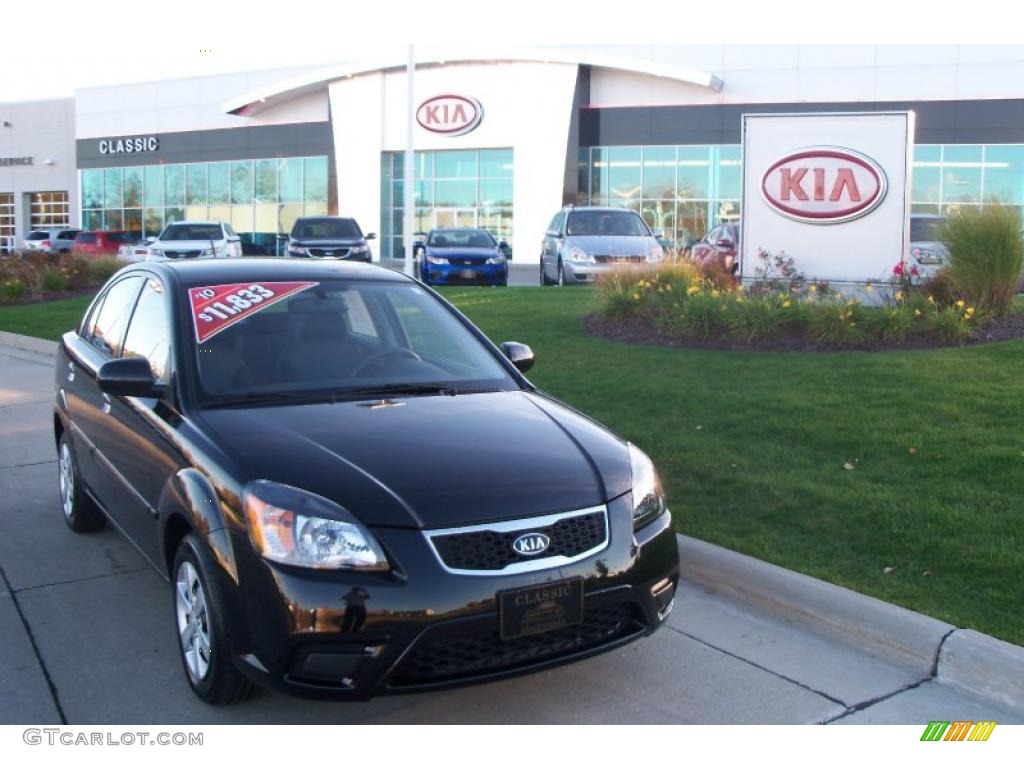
x=87 y=634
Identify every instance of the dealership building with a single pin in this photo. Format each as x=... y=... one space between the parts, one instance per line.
x=502 y=139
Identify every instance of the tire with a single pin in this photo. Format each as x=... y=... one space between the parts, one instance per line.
x=561 y=274
x=200 y=618
x=80 y=512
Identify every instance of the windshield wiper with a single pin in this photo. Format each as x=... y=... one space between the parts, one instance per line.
x=254 y=398
x=398 y=389
x=333 y=395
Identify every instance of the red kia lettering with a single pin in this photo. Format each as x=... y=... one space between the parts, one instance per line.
x=824 y=185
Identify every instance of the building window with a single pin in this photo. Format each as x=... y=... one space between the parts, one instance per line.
x=260 y=199
x=48 y=209
x=7 y=243
x=451 y=188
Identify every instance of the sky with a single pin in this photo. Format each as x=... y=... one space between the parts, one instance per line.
x=102 y=42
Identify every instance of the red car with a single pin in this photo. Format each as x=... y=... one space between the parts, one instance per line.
x=101 y=243
x=719 y=247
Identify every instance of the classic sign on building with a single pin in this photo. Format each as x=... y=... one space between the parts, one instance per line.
x=129 y=145
x=829 y=190
x=449 y=114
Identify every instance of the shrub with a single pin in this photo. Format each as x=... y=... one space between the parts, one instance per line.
x=892 y=324
x=952 y=325
x=54 y=280
x=835 y=323
x=14 y=290
x=941 y=288
x=77 y=268
x=101 y=270
x=702 y=314
x=986 y=255
x=760 y=316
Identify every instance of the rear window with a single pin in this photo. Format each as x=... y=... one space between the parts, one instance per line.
x=325 y=229
x=37 y=235
x=925 y=230
x=85 y=238
x=192 y=232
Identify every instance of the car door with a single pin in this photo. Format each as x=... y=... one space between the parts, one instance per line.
x=98 y=340
x=550 y=247
x=137 y=440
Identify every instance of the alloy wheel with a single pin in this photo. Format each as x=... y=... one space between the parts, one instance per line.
x=193 y=620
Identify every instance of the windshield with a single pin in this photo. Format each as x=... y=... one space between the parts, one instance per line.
x=460 y=238
x=925 y=230
x=277 y=339
x=326 y=229
x=613 y=223
x=192 y=232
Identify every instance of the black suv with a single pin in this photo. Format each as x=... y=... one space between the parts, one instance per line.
x=328 y=237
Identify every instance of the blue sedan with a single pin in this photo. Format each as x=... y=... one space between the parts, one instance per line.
x=462 y=256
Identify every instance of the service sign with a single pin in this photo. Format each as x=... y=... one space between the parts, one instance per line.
x=830 y=190
x=216 y=307
x=450 y=114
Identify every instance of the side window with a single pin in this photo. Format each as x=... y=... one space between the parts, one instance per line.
x=111 y=319
x=229 y=230
x=557 y=222
x=148 y=332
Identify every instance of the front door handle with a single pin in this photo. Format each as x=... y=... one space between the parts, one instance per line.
x=106 y=403
x=71 y=371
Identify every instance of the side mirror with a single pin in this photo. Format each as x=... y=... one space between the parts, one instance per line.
x=659 y=233
x=555 y=234
x=520 y=355
x=127 y=376
x=371 y=236
x=151 y=239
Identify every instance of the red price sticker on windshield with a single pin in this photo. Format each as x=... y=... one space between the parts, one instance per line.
x=216 y=307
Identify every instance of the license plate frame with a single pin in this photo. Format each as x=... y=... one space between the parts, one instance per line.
x=540 y=608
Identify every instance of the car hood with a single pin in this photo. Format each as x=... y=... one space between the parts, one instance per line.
x=607 y=245
x=430 y=462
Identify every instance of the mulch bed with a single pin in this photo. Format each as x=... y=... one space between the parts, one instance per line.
x=642 y=331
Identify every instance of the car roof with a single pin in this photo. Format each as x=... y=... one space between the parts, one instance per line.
x=459 y=229
x=194 y=272
x=602 y=208
x=192 y=221
x=936 y=216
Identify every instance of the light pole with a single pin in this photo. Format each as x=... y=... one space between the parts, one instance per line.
x=408 y=199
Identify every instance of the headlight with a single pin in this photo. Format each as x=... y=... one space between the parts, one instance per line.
x=157 y=252
x=298 y=250
x=295 y=527
x=358 y=249
x=497 y=259
x=657 y=254
x=648 y=498
x=207 y=252
x=436 y=259
x=579 y=255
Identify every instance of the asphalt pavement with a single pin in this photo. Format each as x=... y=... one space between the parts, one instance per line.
x=87 y=637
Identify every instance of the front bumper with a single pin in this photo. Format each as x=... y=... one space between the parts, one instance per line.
x=578 y=273
x=425 y=628
x=466 y=274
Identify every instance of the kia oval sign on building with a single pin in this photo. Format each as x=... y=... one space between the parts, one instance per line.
x=824 y=185
x=449 y=114
x=803 y=171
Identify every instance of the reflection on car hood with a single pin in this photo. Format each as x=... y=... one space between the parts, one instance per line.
x=430 y=462
x=185 y=245
x=447 y=251
x=607 y=245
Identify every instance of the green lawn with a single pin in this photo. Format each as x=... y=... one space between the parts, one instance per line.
x=752 y=448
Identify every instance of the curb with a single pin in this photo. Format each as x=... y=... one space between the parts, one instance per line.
x=28 y=343
x=934 y=649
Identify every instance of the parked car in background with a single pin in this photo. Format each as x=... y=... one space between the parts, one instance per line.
x=719 y=248
x=94 y=244
x=54 y=240
x=195 y=239
x=328 y=237
x=581 y=243
x=926 y=251
x=136 y=251
x=462 y=256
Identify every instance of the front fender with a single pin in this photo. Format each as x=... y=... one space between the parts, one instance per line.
x=190 y=496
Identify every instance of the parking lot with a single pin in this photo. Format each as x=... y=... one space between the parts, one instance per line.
x=87 y=634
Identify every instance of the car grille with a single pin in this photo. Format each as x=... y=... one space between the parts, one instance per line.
x=434 y=660
x=181 y=254
x=619 y=259
x=488 y=550
x=333 y=253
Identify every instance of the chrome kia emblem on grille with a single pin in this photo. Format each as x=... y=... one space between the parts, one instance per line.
x=531 y=544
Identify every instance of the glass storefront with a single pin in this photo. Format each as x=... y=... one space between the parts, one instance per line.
x=48 y=209
x=686 y=190
x=258 y=198
x=457 y=188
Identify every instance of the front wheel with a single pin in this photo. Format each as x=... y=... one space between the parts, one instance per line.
x=80 y=512
x=561 y=274
x=200 y=614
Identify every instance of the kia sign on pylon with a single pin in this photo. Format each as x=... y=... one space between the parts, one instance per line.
x=449 y=114
x=830 y=190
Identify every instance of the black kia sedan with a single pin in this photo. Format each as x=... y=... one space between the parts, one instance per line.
x=350 y=490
